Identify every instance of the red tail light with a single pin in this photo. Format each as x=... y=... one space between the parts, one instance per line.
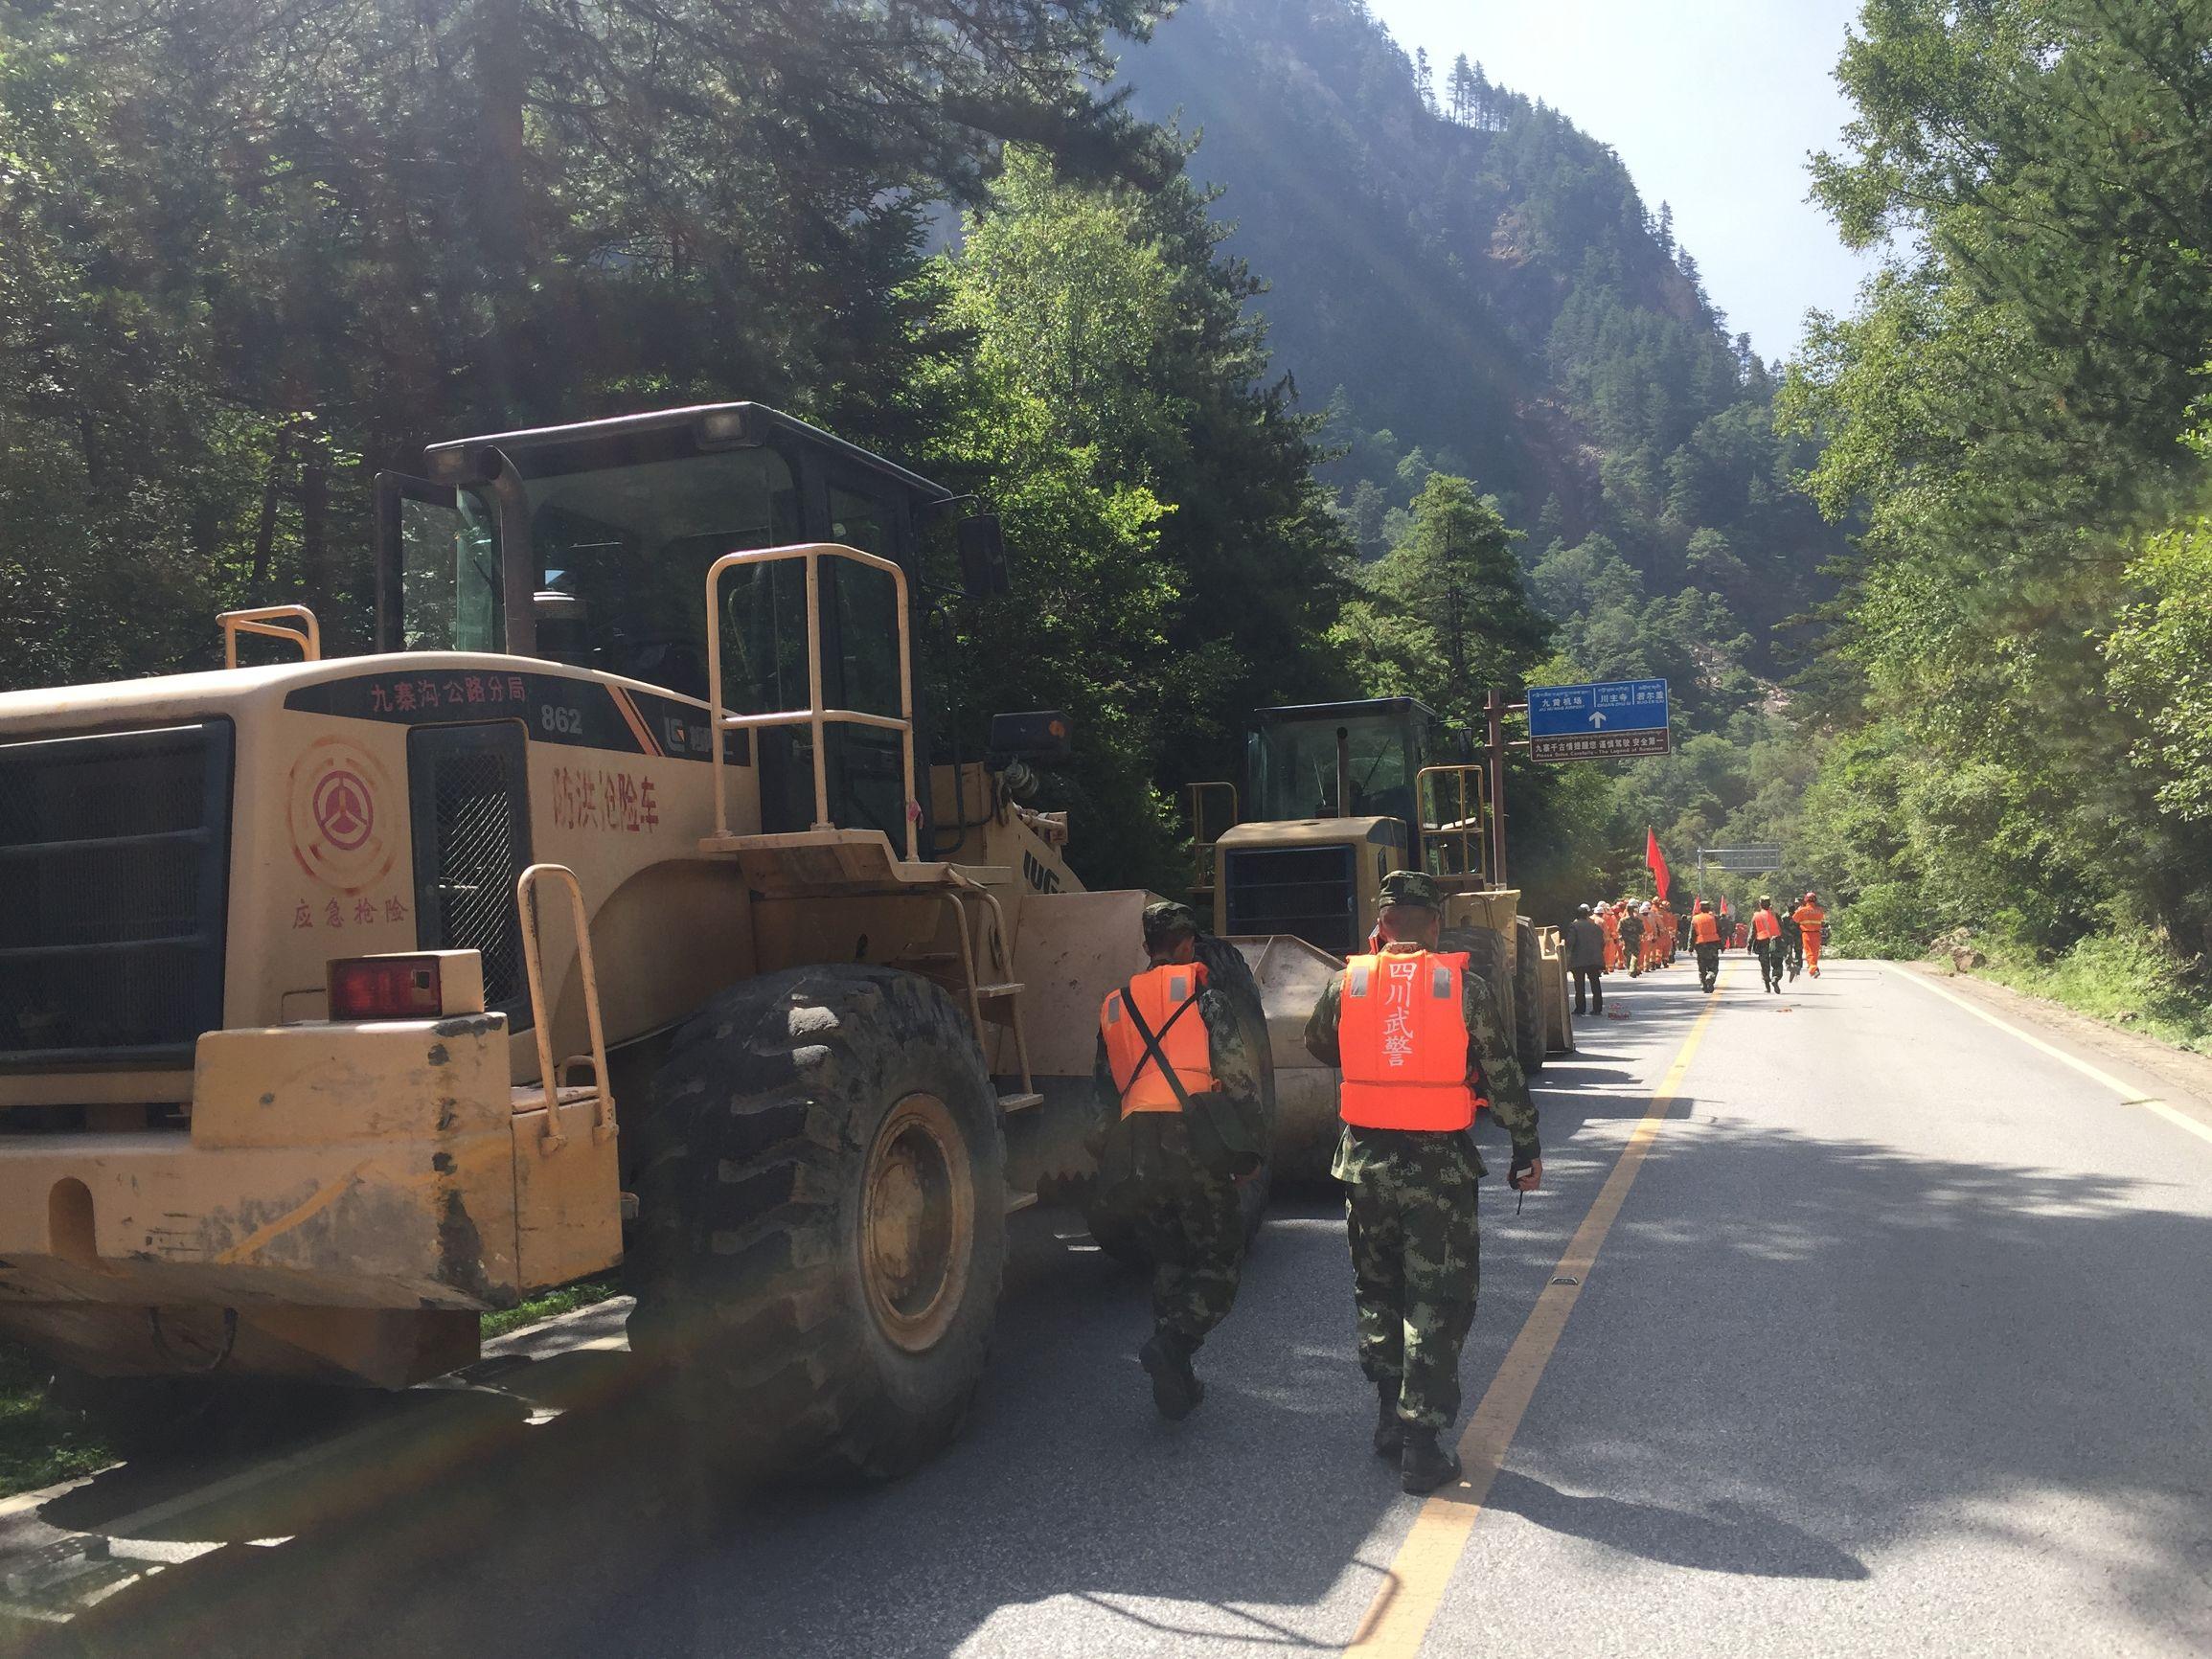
x=386 y=988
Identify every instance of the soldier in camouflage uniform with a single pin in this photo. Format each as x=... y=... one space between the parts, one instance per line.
x=1410 y=1206
x=1170 y=1159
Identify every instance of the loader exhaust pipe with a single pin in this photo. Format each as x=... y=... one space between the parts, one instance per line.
x=1343 y=771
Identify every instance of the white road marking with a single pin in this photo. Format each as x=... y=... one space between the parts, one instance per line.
x=2130 y=1095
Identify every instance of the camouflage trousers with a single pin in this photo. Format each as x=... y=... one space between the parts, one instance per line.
x=1416 y=1262
x=1193 y=1230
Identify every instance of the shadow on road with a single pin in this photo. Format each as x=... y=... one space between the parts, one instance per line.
x=1725 y=1538
x=1857 y=1349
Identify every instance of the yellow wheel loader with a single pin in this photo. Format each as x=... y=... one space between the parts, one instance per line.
x=612 y=912
x=1335 y=797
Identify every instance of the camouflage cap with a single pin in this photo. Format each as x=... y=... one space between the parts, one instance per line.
x=1410 y=887
x=1167 y=919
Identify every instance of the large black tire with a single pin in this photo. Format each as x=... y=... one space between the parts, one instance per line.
x=1488 y=955
x=1227 y=968
x=821 y=1228
x=1528 y=1033
x=1228 y=972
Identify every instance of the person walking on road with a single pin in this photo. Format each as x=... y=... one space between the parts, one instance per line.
x=1767 y=943
x=1421 y=1052
x=1811 y=924
x=1792 y=944
x=1632 y=941
x=1705 y=937
x=1586 y=961
x=1180 y=1121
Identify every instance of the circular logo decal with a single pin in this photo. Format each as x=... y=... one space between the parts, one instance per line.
x=343 y=810
x=338 y=834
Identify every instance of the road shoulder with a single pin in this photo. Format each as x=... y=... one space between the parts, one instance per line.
x=2151 y=1069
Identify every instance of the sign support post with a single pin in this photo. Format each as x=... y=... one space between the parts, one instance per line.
x=1493 y=713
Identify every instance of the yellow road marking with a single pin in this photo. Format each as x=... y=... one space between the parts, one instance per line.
x=2130 y=1095
x=1399 y=1618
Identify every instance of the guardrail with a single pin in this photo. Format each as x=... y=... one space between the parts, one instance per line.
x=234 y=623
x=814 y=717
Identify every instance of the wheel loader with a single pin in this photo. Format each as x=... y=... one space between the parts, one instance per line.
x=612 y=912
x=1336 y=796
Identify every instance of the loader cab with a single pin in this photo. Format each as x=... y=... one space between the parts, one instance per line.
x=1336 y=796
x=1357 y=759
x=588 y=544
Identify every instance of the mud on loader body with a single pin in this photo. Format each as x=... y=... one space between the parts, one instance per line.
x=1335 y=797
x=612 y=906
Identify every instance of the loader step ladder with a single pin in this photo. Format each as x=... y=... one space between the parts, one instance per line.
x=554 y=1088
x=827 y=861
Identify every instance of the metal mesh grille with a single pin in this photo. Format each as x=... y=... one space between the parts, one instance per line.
x=112 y=854
x=1305 y=891
x=477 y=809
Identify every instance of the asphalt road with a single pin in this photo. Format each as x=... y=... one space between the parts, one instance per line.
x=1898 y=1343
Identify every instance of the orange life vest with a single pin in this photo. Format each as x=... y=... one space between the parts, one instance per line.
x=1167 y=999
x=1401 y=1039
x=1809 y=918
x=1765 y=924
x=1705 y=927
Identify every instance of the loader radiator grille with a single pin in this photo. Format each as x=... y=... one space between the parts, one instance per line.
x=114 y=853
x=471 y=841
x=1308 y=891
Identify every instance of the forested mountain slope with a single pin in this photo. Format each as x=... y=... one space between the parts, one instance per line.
x=1469 y=283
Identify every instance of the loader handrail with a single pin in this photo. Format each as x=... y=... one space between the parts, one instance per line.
x=1204 y=848
x=814 y=715
x=1464 y=832
x=308 y=637
x=541 y=1012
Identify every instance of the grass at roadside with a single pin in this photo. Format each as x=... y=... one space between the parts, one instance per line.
x=2126 y=981
x=40 y=1445
x=566 y=1300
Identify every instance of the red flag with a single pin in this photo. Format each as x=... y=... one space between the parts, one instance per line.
x=1658 y=861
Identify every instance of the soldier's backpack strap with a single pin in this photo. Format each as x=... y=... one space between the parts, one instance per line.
x=1154 y=1052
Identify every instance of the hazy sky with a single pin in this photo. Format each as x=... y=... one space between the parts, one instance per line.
x=1714 y=105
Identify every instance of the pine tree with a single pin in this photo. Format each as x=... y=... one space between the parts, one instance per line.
x=1424 y=78
x=1667 y=229
x=1462 y=90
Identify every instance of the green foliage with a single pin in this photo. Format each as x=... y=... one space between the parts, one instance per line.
x=2124 y=976
x=586 y=1293
x=2158 y=651
x=1445 y=616
x=2025 y=614
x=1101 y=382
x=249 y=254
x=40 y=1445
x=1885 y=922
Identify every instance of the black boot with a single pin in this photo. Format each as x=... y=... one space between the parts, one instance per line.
x=1389 y=1427
x=1424 y=1466
x=1175 y=1387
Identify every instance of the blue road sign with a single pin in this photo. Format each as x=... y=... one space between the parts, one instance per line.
x=1618 y=718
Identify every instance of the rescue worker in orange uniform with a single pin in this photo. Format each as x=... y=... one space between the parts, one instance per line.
x=1417 y=1037
x=1180 y=1123
x=1766 y=943
x=1610 y=919
x=1811 y=922
x=1705 y=937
